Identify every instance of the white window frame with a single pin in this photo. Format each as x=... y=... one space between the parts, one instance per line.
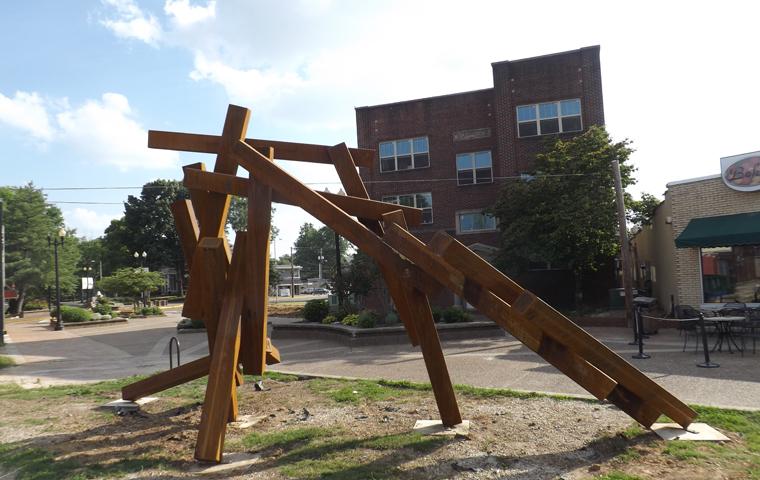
x=475 y=212
x=412 y=154
x=538 y=119
x=472 y=168
x=395 y=200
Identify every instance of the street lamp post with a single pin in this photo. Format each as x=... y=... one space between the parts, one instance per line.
x=55 y=242
x=86 y=284
x=320 y=259
x=142 y=257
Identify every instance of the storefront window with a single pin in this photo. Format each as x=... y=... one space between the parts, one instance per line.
x=731 y=274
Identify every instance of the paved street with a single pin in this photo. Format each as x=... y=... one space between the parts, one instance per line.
x=141 y=346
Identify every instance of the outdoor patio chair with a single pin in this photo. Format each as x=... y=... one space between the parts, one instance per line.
x=751 y=329
x=686 y=327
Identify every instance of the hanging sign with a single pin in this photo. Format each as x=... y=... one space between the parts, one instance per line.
x=741 y=172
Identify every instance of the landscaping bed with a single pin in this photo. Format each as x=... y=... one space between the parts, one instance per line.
x=352 y=429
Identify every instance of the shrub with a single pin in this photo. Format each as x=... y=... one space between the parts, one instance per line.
x=342 y=312
x=350 y=320
x=35 y=305
x=436 y=314
x=455 y=315
x=72 y=314
x=151 y=311
x=330 y=319
x=367 y=319
x=103 y=306
x=186 y=323
x=391 y=318
x=315 y=310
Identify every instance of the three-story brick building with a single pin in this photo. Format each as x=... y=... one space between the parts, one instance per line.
x=450 y=155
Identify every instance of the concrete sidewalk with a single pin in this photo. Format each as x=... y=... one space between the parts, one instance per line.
x=141 y=346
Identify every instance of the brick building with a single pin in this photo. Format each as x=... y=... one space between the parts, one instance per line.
x=703 y=245
x=451 y=154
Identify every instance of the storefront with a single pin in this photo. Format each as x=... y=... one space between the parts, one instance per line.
x=704 y=242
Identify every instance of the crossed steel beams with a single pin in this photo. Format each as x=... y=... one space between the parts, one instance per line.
x=228 y=289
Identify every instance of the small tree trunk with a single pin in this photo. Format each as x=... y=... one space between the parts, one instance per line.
x=578 y=276
x=20 y=303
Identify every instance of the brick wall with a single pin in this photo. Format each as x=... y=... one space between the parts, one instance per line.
x=703 y=198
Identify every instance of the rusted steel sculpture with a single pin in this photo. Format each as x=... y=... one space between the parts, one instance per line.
x=228 y=289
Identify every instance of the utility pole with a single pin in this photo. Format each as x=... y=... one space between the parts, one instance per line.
x=320 y=258
x=292 y=278
x=625 y=252
x=2 y=275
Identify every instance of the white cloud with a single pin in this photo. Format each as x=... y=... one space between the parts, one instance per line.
x=26 y=111
x=106 y=132
x=132 y=23
x=183 y=14
x=246 y=85
x=88 y=223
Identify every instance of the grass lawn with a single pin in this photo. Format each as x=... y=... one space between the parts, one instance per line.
x=6 y=362
x=357 y=429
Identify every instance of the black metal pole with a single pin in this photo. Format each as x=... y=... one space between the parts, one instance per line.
x=338 y=272
x=59 y=322
x=640 y=329
x=707 y=363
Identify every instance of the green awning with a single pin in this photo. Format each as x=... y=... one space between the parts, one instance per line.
x=723 y=231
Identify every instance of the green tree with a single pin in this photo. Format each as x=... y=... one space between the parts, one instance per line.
x=310 y=242
x=116 y=247
x=132 y=282
x=566 y=214
x=29 y=219
x=358 y=276
x=641 y=212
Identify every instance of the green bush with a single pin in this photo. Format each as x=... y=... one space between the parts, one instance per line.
x=343 y=311
x=391 y=318
x=367 y=319
x=351 y=320
x=315 y=310
x=328 y=320
x=187 y=323
x=436 y=314
x=103 y=306
x=454 y=315
x=151 y=311
x=72 y=314
x=35 y=305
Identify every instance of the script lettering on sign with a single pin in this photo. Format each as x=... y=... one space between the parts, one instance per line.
x=742 y=172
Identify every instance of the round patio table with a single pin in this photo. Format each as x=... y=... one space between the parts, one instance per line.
x=725 y=334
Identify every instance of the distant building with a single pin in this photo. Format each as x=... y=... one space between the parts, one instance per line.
x=290 y=278
x=450 y=155
x=703 y=245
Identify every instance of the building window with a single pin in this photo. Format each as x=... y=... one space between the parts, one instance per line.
x=404 y=154
x=474 y=168
x=731 y=274
x=551 y=117
x=417 y=200
x=476 y=221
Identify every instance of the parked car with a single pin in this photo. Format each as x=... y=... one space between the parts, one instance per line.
x=321 y=291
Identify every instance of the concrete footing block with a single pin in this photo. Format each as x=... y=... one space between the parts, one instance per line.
x=129 y=405
x=435 y=427
x=696 y=432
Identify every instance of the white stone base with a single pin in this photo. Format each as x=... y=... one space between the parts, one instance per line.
x=696 y=432
x=129 y=404
x=435 y=427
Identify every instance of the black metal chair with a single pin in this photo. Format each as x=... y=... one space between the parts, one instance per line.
x=688 y=324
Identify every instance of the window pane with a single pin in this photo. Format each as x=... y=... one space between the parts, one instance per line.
x=464 y=161
x=547 y=110
x=571 y=124
x=386 y=149
x=482 y=159
x=465 y=222
x=427 y=215
x=392 y=199
x=421 y=160
x=403 y=147
x=405 y=162
x=387 y=164
x=406 y=200
x=464 y=177
x=570 y=107
x=483 y=175
x=528 y=129
x=526 y=112
x=477 y=222
x=490 y=222
x=420 y=145
x=549 y=126
x=424 y=200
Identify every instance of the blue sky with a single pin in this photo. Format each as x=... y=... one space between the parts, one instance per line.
x=81 y=82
